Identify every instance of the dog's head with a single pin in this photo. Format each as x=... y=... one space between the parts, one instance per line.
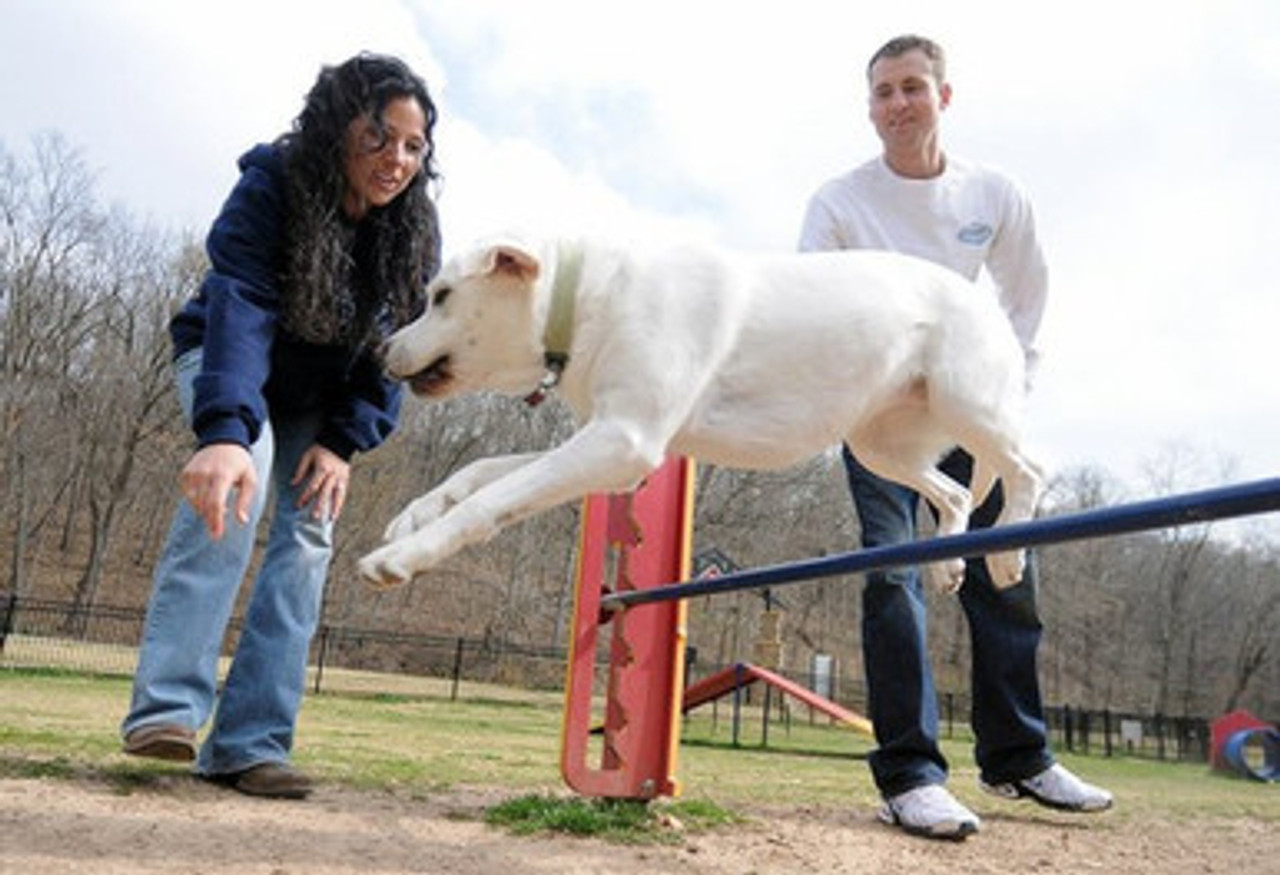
x=482 y=328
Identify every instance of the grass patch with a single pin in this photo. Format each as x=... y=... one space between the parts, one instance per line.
x=57 y=725
x=59 y=767
x=123 y=778
x=624 y=821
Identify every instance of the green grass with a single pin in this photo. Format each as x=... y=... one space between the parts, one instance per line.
x=620 y=820
x=60 y=725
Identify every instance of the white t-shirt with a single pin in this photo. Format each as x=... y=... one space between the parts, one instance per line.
x=967 y=218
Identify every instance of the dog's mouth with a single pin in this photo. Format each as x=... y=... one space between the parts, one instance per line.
x=432 y=379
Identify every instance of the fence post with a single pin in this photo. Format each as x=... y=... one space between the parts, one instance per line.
x=1106 y=730
x=764 y=730
x=737 y=701
x=324 y=646
x=10 y=610
x=457 y=670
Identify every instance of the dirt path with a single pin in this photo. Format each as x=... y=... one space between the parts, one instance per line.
x=182 y=827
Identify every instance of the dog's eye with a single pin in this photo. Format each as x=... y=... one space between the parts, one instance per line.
x=439 y=296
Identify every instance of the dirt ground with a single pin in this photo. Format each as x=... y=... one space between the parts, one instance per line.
x=180 y=825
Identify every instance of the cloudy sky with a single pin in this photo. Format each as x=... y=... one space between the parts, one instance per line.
x=1146 y=133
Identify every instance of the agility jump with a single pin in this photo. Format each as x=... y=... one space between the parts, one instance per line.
x=1177 y=510
x=650 y=534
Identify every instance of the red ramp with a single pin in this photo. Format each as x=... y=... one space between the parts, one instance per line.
x=744 y=673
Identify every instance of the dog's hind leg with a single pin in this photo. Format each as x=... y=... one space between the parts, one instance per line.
x=904 y=445
x=1022 y=482
x=978 y=399
x=989 y=433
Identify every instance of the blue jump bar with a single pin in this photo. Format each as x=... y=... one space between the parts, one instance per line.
x=1225 y=502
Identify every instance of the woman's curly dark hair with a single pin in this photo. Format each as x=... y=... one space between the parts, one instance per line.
x=347 y=284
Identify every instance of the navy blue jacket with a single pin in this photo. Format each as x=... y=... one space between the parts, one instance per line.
x=252 y=367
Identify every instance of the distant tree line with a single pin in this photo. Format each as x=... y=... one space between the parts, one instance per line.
x=1181 y=622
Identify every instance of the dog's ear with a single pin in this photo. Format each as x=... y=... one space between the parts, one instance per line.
x=514 y=262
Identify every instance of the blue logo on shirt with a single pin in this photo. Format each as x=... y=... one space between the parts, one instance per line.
x=975 y=233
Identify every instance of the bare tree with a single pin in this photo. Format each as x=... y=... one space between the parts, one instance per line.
x=50 y=222
x=1254 y=618
x=1181 y=569
x=117 y=387
x=1084 y=619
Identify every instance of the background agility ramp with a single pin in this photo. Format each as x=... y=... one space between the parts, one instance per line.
x=744 y=674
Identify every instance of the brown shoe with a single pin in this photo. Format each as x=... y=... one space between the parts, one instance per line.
x=273 y=780
x=162 y=741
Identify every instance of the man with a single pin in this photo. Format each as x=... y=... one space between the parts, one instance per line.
x=917 y=199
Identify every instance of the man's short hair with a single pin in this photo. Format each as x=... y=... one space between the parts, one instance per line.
x=900 y=45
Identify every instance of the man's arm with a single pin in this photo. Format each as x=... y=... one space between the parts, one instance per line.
x=1017 y=266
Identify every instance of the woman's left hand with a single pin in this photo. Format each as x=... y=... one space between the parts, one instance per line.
x=326 y=474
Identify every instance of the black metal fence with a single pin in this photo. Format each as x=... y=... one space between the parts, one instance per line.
x=1077 y=730
x=38 y=633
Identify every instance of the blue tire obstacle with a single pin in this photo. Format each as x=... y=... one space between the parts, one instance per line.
x=1190 y=508
x=1235 y=752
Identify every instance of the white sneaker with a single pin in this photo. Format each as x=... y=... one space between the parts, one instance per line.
x=930 y=811
x=1055 y=787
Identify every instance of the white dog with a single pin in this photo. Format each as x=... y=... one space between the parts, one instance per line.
x=740 y=361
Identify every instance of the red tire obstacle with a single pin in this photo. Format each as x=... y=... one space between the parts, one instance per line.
x=1233 y=733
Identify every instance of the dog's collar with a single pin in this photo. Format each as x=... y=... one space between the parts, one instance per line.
x=557 y=337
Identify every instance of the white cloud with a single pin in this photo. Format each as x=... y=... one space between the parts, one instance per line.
x=512 y=184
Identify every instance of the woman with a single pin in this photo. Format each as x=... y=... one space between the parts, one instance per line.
x=321 y=250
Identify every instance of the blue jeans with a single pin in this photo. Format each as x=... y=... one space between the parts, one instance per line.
x=194 y=590
x=1004 y=630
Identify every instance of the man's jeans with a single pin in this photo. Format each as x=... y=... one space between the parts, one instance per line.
x=1004 y=629
x=194 y=591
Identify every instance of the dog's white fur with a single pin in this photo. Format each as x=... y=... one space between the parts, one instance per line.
x=740 y=361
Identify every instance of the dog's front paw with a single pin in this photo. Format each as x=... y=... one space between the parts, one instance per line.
x=417 y=514
x=1006 y=568
x=383 y=570
x=946 y=577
